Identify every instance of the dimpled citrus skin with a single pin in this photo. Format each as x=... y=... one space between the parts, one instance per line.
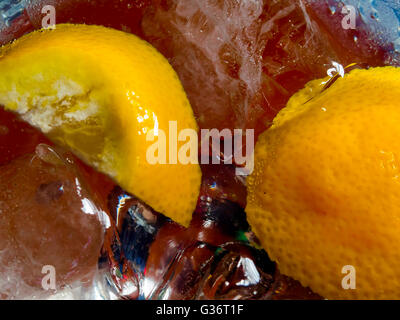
x=325 y=191
x=98 y=91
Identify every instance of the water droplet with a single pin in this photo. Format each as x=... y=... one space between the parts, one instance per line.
x=48 y=155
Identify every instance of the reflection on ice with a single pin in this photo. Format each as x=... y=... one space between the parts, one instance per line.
x=213 y=259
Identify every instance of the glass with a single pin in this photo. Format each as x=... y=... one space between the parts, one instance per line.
x=253 y=56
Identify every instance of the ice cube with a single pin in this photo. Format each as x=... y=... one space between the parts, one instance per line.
x=48 y=218
x=240 y=61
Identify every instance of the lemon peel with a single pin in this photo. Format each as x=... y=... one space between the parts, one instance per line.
x=325 y=191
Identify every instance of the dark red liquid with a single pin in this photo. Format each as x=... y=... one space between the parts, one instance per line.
x=239 y=64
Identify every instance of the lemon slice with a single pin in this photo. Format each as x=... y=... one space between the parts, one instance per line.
x=324 y=196
x=98 y=92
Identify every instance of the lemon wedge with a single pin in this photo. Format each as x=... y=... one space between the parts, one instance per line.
x=98 y=92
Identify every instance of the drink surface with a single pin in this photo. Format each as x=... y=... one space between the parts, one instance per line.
x=239 y=63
